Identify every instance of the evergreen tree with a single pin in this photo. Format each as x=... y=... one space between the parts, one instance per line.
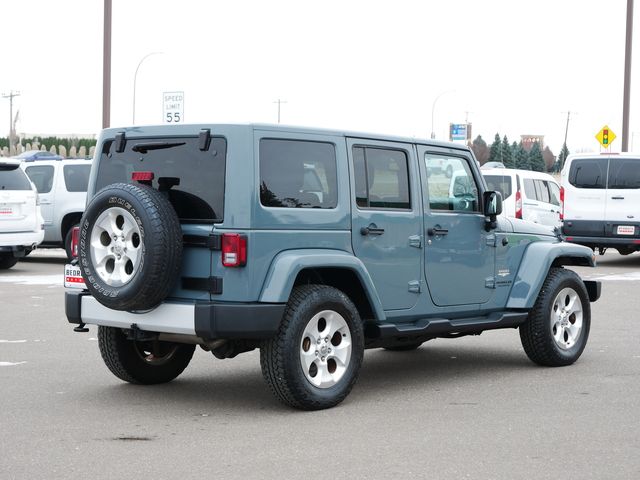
x=480 y=149
x=522 y=158
x=506 y=153
x=495 y=152
x=564 y=153
x=535 y=158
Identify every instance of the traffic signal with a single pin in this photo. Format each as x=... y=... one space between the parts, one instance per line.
x=605 y=137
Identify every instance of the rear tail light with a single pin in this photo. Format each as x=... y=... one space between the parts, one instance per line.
x=561 y=203
x=518 y=204
x=75 y=239
x=234 y=250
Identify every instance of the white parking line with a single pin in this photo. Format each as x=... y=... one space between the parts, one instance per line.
x=619 y=277
x=12 y=341
x=10 y=364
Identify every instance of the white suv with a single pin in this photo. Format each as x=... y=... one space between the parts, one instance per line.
x=21 y=221
x=601 y=201
x=62 y=188
x=528 y=195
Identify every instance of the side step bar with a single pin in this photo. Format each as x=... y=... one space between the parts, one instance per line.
x=436 y=327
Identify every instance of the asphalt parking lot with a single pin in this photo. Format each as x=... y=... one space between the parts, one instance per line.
x=471 y=408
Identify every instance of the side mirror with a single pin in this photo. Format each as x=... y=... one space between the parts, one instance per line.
x=492 y=207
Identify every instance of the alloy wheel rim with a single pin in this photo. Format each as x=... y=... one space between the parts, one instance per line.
x=116 y=247
x=566 y=318
x=325 y=349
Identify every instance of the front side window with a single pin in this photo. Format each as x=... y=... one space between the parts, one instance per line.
x=42 y=177
x=499 y=183
x=298 y=174
x=76 y=177
x=542 y=192
x=624 y=173
x=459 y=193
x=554 y=193
x=588 y=173
x=381 y=178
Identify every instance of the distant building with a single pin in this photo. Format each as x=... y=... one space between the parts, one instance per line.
x=529 y=140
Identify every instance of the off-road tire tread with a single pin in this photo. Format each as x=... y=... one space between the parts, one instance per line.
x=120 y=359
x=535 y=333
x=273 y=353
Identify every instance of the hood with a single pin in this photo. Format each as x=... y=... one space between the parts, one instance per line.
x=524 y=226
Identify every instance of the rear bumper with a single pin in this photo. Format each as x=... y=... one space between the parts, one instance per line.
x=612 y=242
x=21 y=240
x=206 y=320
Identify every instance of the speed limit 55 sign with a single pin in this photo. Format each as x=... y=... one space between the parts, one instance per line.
x=173 y=107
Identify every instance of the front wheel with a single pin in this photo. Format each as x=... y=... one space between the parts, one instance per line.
x=145 y=363
x=314 y=359
x=557 y=329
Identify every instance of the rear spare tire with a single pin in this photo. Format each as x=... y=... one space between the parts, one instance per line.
x=130 y=247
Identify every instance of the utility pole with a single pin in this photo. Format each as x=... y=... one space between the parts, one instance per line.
x=561 y=157
x=106 y=66
x=566 y=130
x=12 y=125
x=627 y=78
x=279 y=102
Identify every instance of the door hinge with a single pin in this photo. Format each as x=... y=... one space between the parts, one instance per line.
x=414 y=286
x=415 y=241
x=490 y=282
x=213 y=285
x=213 y=241
x=491 y=240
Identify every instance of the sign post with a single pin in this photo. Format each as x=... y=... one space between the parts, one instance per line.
x=173 y=107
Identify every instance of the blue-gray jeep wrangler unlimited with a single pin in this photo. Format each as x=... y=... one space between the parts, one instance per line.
x=311 y=245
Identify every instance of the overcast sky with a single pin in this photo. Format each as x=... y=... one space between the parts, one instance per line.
x=512 y=67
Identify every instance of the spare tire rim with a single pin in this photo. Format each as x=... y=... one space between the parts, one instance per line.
x=325 y=349
x=116 y=246
x=566 y=318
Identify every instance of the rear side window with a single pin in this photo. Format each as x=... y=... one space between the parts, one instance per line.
x=381 y=178
x=529 y=188
x=500 y=183
x=542 y=191
x=554 y=193
x=198 y=195
x=298 y=174
x=13 y=178
x=588 y=173
x=42 y=177
x=76 y=177
x=624 y=173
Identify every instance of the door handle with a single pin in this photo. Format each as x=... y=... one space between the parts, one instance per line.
x=372 y=229
x=437 y=231
x=617 y=198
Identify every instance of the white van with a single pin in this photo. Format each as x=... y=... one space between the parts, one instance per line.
x=532 y=196
x=601 y=201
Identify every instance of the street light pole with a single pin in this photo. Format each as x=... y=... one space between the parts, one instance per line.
x=279 y=102
x=433 y=108
x=106 y=66
x=135 y=79
x=627 y=78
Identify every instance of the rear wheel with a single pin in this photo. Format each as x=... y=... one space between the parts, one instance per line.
x=7 y=260
x=67 y=241
x=314 y=359
x=557 y=329
x=142 y=362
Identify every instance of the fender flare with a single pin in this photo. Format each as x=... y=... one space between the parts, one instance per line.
x=286 y=266
x=536 y=262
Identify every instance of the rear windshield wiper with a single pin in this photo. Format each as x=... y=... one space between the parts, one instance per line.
x=145 y=147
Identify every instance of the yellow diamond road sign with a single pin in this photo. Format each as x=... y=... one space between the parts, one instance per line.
x=605 y=136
